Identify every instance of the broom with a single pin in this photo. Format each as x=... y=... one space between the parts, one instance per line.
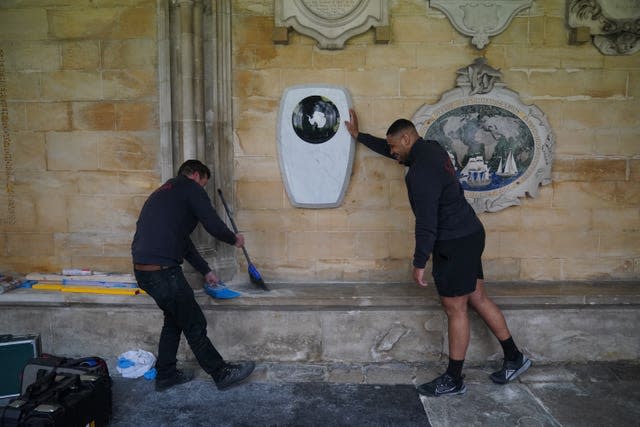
x=254 y=274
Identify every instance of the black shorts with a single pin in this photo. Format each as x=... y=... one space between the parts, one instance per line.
x=457 y=264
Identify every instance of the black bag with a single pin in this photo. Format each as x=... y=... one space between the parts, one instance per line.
x=62 y=392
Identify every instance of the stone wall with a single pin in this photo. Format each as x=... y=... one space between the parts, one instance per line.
x=81 y=96
x=585 y=225
x=82 y=103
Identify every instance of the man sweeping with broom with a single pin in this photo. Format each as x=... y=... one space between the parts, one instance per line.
x=161 y=243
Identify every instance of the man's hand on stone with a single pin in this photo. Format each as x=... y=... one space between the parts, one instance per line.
x=239 y=241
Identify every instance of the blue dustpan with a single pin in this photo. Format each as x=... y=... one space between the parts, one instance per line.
x=220 y=291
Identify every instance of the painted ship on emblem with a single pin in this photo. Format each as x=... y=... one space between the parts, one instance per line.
x=476 y=173
x=509 y=168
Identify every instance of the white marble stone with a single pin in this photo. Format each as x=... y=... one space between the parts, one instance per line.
x=316 y=175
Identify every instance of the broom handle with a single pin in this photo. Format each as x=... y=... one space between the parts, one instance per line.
x=233 y=223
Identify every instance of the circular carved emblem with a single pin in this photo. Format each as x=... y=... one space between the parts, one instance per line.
x=315 y=119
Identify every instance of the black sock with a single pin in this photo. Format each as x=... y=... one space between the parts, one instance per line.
x=511 y=352
x=455 y=368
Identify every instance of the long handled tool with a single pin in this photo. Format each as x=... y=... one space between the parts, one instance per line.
x=254 y=274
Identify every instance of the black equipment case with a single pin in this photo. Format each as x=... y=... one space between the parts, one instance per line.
x=15 y=352
x=61 y=392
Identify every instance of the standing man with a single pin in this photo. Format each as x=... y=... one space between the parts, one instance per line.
x=159 y=246
x=447 y=227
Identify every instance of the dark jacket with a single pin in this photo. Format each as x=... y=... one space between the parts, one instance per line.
x=167 y=220
x=436 y=196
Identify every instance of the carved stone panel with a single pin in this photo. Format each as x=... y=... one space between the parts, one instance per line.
x=501 y=148
x=480 y=19
x=330 y=22
x=613 y=24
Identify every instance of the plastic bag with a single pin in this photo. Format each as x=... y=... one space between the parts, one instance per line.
x=135 y=363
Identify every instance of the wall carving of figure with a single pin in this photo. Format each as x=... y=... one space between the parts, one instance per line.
x=614 y=25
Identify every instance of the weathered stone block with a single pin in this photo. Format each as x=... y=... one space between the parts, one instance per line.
x=574 y=243
x=401 y=245
x=128 y=150
x=451 y=58
x=266 y=244
x=23 y=86
x=538 y=243
x=290 y=337
x=598 y=269
x=379 y=336
x=129 y=84
x=94 y=182
x=501 y=269
x=319 y=244
x=256 y=141
x=260 y=195
x=554 y=83
x=267 y=83
x=555 y=219
x=604 y=83
x=82 y=23
x=24 y=56
x=620 y=244
x=381 y=220
x=372 y=245
x=252 y=29
x=516 y=33
x=29 y=244
x=51 y=213
x=29 y=151
x=23 y=24
x=398 y=198
x=72 y=85
x=505 y=220
x=93 y=115
x=79 y=244
x=257 y=112
x=403 y=56
x=129 y=54
x=72 y=151
x=413 y=82
x=580 y=195
x=318 y=73
x=110 y=214
x=389 y=373
x=136 y=116
x=350 y=58
x=617 y=142
x=414 y=29
x=48 y=116
x=287 y=57
x=381 y=82
x=256 y=169
x=347 y=374
x=620 y=219
x=137 y=23
x=575 y=142
x=582 y=115
x=333 y=219
x=365 y=194
x=551 y=58
x=277 y=220
x=81 y=54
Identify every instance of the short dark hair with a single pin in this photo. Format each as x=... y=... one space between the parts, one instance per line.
x=191 y=166
x=400 y=125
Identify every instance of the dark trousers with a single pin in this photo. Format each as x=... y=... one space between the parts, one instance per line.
x=182 y=314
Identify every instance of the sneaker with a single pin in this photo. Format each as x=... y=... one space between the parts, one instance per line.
x=231 y=374
x=511 y=369
x=180 y=377
x=444 y=384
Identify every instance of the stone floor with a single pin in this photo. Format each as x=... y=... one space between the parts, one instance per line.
x=571 y=394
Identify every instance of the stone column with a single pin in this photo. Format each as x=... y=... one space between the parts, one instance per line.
x=198 y=45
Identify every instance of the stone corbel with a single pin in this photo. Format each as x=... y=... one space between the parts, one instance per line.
x=329 y=22
x=614 y=25
x=480 y=19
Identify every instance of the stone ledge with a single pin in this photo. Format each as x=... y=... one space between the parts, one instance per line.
x=343 y=323
x=359 y=295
